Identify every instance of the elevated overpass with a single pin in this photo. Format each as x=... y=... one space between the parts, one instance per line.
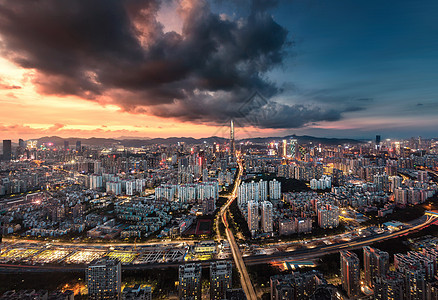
x=433 y=214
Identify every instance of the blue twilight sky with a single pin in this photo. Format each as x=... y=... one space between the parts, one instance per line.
x=381 y=56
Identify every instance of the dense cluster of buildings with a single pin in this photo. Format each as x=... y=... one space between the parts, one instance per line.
x=365 y=179
x=256 y=208
x=413 y=276
x=138 y=189
x=117 y=192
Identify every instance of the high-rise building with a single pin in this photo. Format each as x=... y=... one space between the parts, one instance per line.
x=130 y=187
x=323 y=183
x=389 y=286
x=232 y=142
x=378 y=139
x=220 y=279
x=376 y=263
x=267 y=222
x=415 y=281
x=328 y=216
x=206 y=190
x=189 y=287
x=165 y=192
x=400 y=196
x=293 y=148
x=252 y=191
x=31 y=144
x=416 y=269
x=104 y=279
x=7 y=149
x=274 y=190
x=21 y=144
x=284 y=148
x=114 y=187
x=78 y=146
x=253 y=217
x=187 y=193
x=66 y=145
x=396 y=182
x=96 y=182
x=263 y=190
x=422 y=176
x=350 y=273
x=382 y=182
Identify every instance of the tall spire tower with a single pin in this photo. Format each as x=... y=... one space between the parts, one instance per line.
x=232 y=143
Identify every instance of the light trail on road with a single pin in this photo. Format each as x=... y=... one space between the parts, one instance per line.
x=250 y=260
x=245 y=280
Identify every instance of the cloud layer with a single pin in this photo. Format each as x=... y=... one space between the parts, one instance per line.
x=116 y=52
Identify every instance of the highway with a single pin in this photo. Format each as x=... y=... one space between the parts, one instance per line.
x=309 y=253
x=301 y=254
x=245 y=280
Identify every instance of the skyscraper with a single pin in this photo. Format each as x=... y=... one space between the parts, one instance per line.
x=376 y=263
x=189 y=287
x=66 y=145
x=378 y=141
x=104 y=279
x=220 y=279
x=78 y=146
x=7 y=149
x=274 y=189
x=253 y=217
x=21 y=143
x=350 y=273
x=293 y=148
x=267 y=221
x=422 y=176
x=328 y=216
x=284 y=148
x=232 y=142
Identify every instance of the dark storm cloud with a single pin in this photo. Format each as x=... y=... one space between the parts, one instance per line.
x=276 y=115
x=117 y=52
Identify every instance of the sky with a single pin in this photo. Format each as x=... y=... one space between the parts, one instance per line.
x=162 y=68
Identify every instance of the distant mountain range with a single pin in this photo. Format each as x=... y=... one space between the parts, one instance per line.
x=138 y=142
x=305 y=139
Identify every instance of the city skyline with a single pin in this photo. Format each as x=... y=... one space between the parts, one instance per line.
x=327 y=70
x=191 y=219
x=219 y=149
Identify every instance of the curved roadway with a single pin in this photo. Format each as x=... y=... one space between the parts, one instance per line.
x=255 y=259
